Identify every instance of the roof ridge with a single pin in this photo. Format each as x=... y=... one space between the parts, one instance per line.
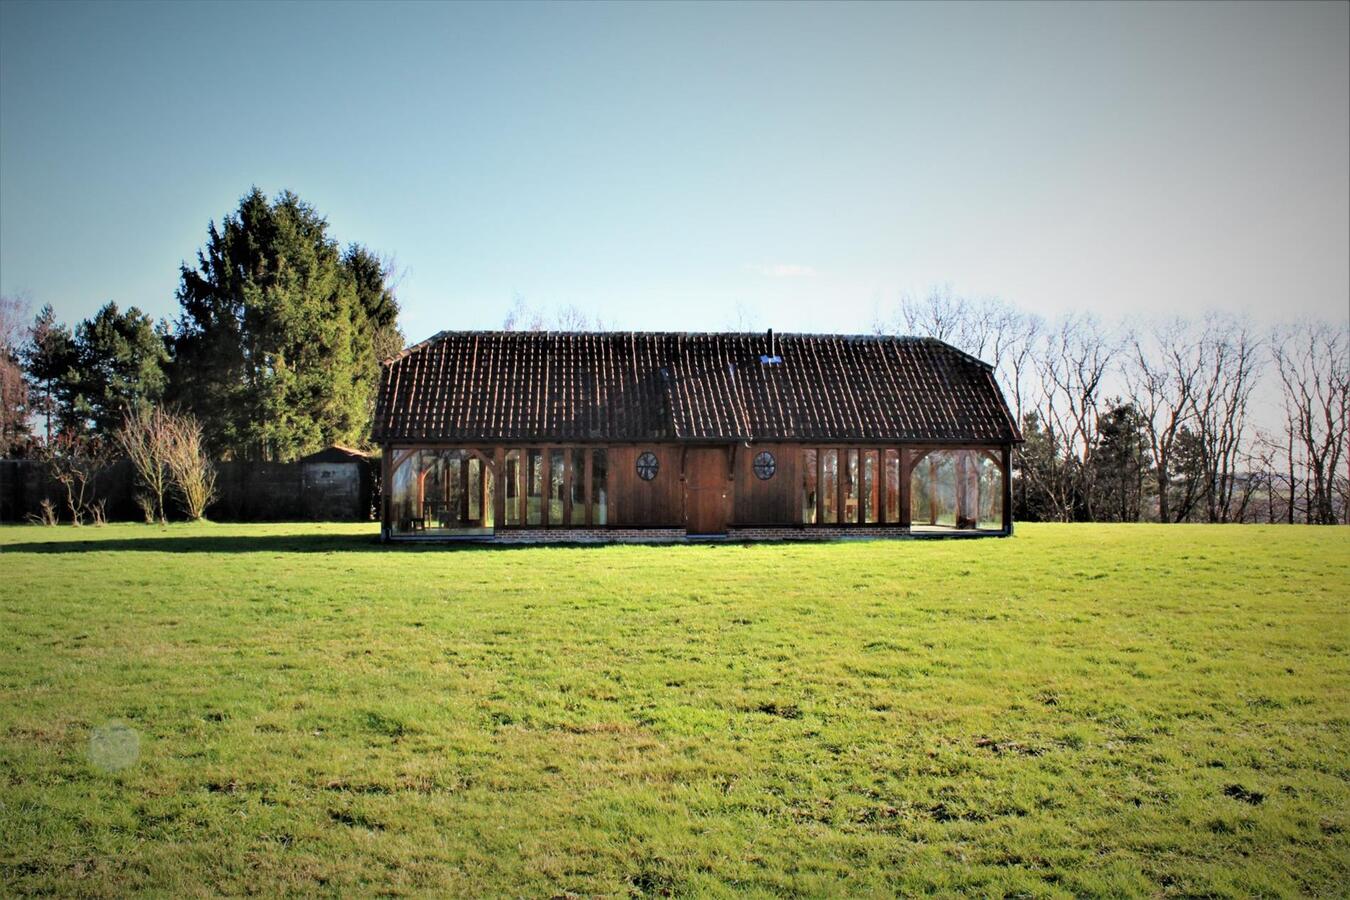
x=819 y=335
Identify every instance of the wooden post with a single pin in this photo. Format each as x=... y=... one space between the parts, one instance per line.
x=820 y=485
x=905 y=500
x=386 y=490
x=499 y=490
x=1007 y=489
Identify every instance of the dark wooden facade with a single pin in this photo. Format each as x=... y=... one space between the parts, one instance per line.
x=489 y=434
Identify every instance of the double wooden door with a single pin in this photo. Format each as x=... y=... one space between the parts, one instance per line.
x=707 y=490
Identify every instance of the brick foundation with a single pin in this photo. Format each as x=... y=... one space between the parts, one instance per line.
x=678 y=535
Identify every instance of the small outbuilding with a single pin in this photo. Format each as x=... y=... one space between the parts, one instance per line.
x=531 y=436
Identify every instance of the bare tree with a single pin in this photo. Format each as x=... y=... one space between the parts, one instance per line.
x=1072 y=361
x=1314 y=369
x=1160 y=371
x=13 y=388
x=523 y=317
x=146 y=437
x=75 y=462
x=1228 y=350
x=941 y=314
x=190 y=469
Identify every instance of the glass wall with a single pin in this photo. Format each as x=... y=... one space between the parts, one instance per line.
x=577 y=494
x=514 y=487
x=949 y=489
x=534 y=487
x=892 y=485
x=441 y=492
x=599 y=486
x=829 y=488
x=809 y=473
x=557 y=475
x=957 y=489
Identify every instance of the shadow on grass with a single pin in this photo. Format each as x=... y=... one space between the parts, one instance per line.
x=366 y=543
x=240 y=543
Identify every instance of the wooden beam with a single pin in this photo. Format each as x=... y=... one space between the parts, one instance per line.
x=499 y=488
x=386 y=492
x=1007 y=489
x=904 y=488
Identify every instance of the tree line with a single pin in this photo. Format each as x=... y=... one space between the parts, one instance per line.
x=275 y=350
x=1166 y=420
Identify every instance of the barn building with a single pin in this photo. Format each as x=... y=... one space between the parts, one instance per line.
x=527 y=436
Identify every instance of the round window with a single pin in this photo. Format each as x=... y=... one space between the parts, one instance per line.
x=765 y=465
x=647 y=465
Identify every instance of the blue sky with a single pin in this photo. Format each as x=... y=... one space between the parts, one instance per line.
x=686 y=166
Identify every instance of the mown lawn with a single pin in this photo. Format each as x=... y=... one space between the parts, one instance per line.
x=1078 y=710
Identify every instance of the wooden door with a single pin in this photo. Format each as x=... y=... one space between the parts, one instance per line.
x=707 y=488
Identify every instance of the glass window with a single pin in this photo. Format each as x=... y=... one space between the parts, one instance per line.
x=829 y=487
x=475 y=489
x=990 y=492
x=599 y=488
x=893 y=486
x=933 y=490
x=512 y=486
x=808 y=487
x=438 y=492
x=556 y=483
x=765 y=465
x=850 y=475
x=578 y=463
x=489 y=517
x=534 y=487
x=870 y=492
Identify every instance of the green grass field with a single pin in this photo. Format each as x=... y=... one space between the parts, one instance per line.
x=1128 y=710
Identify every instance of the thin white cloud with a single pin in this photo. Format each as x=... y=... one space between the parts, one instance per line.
x=784 y=270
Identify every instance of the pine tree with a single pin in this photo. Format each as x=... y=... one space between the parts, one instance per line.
x=49 y=360
x=119 y=362
x=277 y=333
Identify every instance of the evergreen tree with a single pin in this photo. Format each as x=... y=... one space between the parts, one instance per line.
x=1122 y=461
x=278 y=341
x=49 y=359
x=119 y=361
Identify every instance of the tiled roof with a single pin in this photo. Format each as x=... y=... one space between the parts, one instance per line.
x=489 y=386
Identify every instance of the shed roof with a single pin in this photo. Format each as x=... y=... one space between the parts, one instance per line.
x=492 y=386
